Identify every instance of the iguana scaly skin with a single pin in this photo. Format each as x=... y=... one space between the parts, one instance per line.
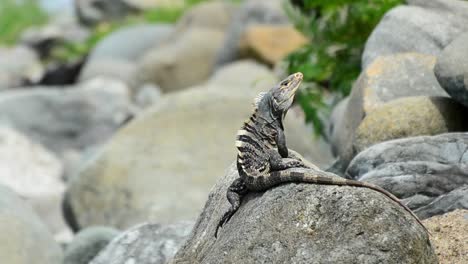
x=264 y=161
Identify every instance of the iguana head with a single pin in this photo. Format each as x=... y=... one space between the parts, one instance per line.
x=282 y=95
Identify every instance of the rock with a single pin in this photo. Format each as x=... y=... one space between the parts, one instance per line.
x=413 y=29
x=67 y=118
x=147 y=95
x=146 y=4
x=456 y=199
x=185 y=61
x=255 y=77
x=387 y=78
x=417 y=169
x=449 y=235
x=145 y=243
x=451 y=69
x=336 y=118
x=456 y=7
x=298 y=223
x=216 y=15
x=251 y=12
x=33 y=173
x=18 y=65
x=270 y=44
x=24 y=239
x=161 y=166
x=88 y=243
x=116 y=55
x=409 y=117
x=92 y=12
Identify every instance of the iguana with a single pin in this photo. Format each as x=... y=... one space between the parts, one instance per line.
x=264 y=161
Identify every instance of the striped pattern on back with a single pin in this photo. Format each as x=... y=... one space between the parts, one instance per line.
x=252 y=148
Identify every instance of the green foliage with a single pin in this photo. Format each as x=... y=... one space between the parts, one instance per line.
x=16 y=16
x=338 y=30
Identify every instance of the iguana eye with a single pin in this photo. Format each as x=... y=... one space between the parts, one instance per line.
x=285 y=83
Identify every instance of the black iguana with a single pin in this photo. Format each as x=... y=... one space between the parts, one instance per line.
x=263 y=160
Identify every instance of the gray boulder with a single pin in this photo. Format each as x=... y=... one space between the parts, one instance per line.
x=417 y=170
x=35 y=174
x=19 y=65
x=145 y=244
x=67 y=118
x=116 y=55
x=414 y=29
x=251 y=12
x=456 y=199
x=456 y=7
x=92 y=12
x=182 y=61
x=451 y=69
x=88 y=243
x=386 y=79
x=215 y=15
x=306 y=223
x=24 y=238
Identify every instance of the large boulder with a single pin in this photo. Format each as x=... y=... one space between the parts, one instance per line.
x=418 y=170
x=458 y=198
x=306 y=223
x=35 y=174
x=67 y=118
x=409 y=117
x=415 y=29
x=216 y=15
x=180 y=62
x=25 y=239
x=161 y=166
x=18 y=66
x=88 y=243
x=263 y=42
x=449 y=233
x=386 y=79
x=145 y=243
x=92 y=12
x=251 y=12
x=116 y=55
x=451 y=69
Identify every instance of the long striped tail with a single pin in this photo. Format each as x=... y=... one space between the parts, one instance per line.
x=315 y=176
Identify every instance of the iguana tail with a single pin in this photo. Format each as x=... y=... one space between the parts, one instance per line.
x=314 y=176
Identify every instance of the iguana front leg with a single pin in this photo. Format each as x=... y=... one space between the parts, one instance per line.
x=235 y=193
x=279 y=163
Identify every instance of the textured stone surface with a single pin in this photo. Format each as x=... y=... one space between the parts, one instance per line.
x=116 y=55
x=24 y=239
x=387 y=78
x=35 y=174
x=456 y=199
x=270 y=43
x=409 y=117
x=145 y=244
x=414 y=29
x=88 y=243
x=418 y=170
x=451 y=69
x=67 y=118
x=304 y=223
x=17 y=66
x=181 y=62
x=449 y=235
x=161 y=166
x=251 y=12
